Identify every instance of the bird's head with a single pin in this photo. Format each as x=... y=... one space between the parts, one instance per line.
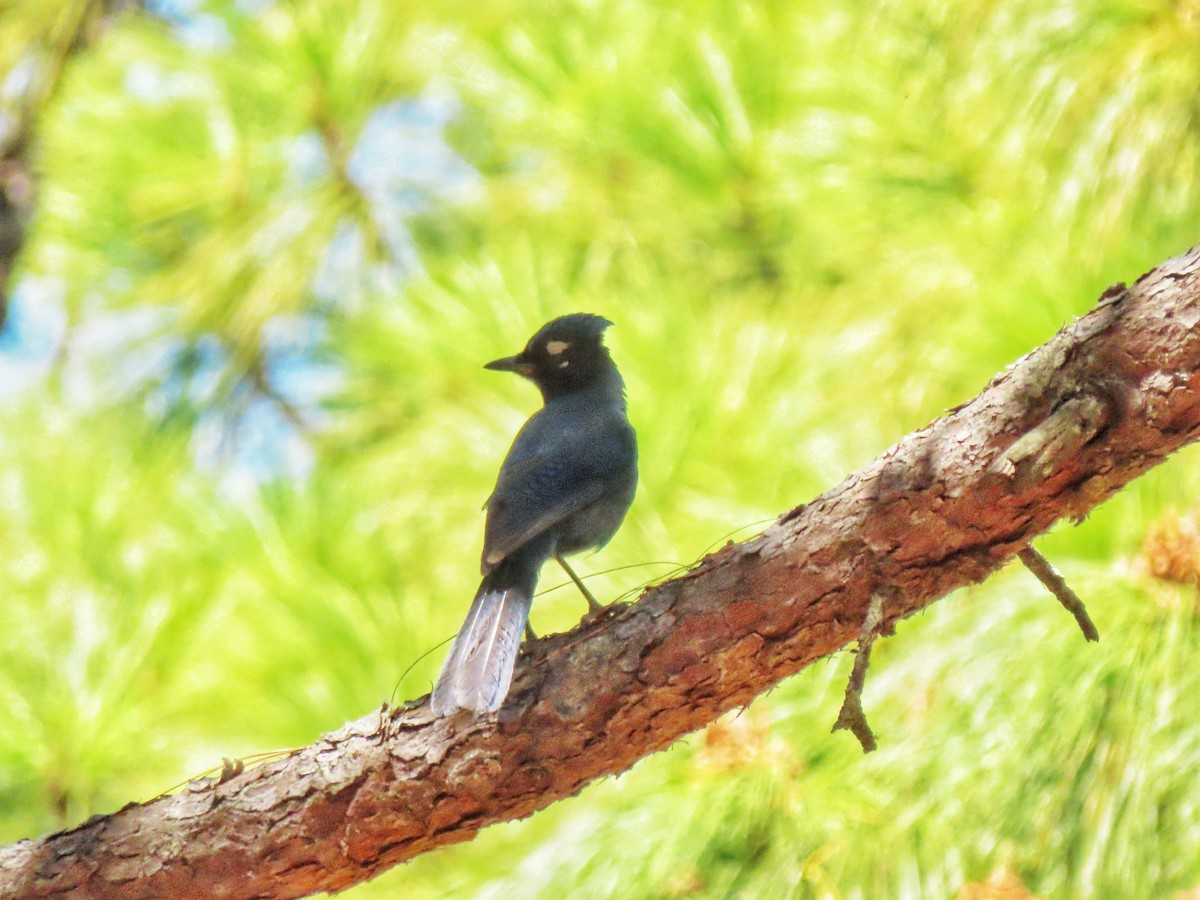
x=566 y=354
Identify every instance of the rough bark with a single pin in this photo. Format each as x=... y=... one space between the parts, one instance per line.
x=1107 y=398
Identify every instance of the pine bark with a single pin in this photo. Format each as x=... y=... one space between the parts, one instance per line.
x=1107 y=398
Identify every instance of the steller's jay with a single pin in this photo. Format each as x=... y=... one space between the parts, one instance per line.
x=565 y=486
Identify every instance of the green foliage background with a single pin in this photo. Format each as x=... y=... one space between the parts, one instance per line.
x=241 y=496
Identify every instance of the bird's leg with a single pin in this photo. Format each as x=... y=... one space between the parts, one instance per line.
x=593 y=604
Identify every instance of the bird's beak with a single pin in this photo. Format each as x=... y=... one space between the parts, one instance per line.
x=511 y=364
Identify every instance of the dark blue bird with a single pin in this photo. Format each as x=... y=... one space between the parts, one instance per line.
x=565 y=486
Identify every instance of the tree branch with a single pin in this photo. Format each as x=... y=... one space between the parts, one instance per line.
x=1057 y=585
x=945 y=507
x=851 y=716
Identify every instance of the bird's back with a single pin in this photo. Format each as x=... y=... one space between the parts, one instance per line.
x=572 y=468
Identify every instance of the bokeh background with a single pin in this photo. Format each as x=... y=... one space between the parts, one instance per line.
x=245 y=435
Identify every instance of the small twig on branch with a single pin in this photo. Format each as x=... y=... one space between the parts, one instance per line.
x=1057 y=585
x=851 y=716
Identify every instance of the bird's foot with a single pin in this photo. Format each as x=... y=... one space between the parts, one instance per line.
x=595 y=607
x=599 y=612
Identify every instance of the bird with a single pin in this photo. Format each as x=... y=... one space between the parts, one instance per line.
x=564 y=487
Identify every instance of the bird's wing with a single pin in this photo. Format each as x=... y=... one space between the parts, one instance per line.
x=536 y=491
x=518 y=471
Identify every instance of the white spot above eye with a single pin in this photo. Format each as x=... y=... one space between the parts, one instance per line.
x=564 y=363
x=556 y=348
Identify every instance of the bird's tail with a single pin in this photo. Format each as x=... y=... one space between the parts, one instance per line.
x=477 y=673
